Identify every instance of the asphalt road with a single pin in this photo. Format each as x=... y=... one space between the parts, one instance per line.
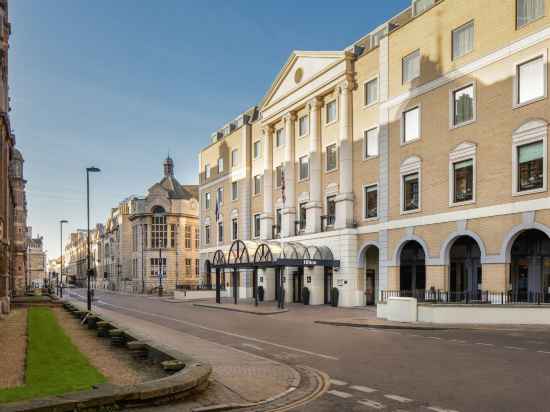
x=485 y=370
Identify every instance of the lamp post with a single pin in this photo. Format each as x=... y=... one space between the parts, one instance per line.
x=60 y=289
x=88 y=171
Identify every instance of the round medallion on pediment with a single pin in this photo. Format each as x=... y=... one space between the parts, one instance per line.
x=298 y=75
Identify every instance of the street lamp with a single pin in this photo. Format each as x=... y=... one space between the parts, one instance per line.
x=88 y=171
x=60 y=288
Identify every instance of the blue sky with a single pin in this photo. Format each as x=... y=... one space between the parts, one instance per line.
x=119 y=84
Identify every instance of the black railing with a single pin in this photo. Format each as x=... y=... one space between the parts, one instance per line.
x=469 y=297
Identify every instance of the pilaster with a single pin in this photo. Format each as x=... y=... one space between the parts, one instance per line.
x=289 y=210
x=267 y=217
x=313 y=208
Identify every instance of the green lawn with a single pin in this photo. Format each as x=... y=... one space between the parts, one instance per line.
x=54 y=365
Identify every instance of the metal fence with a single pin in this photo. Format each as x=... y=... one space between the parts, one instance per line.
x=467 y=298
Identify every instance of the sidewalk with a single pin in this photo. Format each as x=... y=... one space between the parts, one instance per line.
x=239 y=377
x=244 y=307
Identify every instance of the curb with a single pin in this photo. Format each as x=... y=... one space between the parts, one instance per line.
x=379 y=326
x=274 y=312
x=190 y=380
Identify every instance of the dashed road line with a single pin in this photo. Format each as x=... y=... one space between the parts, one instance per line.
x=337 y=382
x=371 y=404
x=514 y=348
x=249 y=345
x=458 y=341
x=398 y=398
x=340 y=394
x=484 y=344
x=434 y=337
x=437 y=409
x=543 y=351
x=364 y=389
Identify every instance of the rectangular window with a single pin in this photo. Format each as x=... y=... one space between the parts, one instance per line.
x=371 y=92
x=279 y=137
x=197 y=267
x=188 y=267
x=234 y=157
x=331 y=111
x=219 y=196
x=158 y=267
x=371 y=143
x=197 y=240
x=419 y=6
x=371 y=202
x=257 y=149
x=411 y=66
x=207 y=234
x=528 y=11
x=411 y=125
x=304 y=167
x=234 y=190
x=331 y=157
x=159 y=233
x=530 y=166
x=303 y=125
x=220 y=165
x=173 y=236
x=257 y=184
x=531 y=80
x=463 y=40
x=257 y=225
x=207 y=171
x=234 y=229
x=463 y=181
x=207 y=200
x=331 y=210
x=278 y=221
x=410 y=192
x=279 y=176
x=220 y=232
x=303 y=215
x=187 y=237
x=463 y=105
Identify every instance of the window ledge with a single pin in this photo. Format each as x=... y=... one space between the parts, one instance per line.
x=404 y=143
x=410 y=212
x=529 y=192
x=305 y=179
x=528 y=102
x=465 y=203
x=458 y=126
x=370 y=219
x=518 y=28
x=370 y=157
x=327 y=172
x=304 y=135
x=331 y=123
x=368 y=106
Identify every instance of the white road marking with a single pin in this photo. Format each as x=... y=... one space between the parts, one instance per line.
x=249 y=345
x=514 y=348
x=365 y=389
x=484 y=344
x=398 y=398
x=337 y=382
x=235 y=335
x=436 y=409
x=458 y=341
x=543 y=351
x=371 y=404
x=340 y=394
x=434 y=337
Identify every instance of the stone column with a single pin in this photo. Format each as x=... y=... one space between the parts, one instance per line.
x=344 y=200
x=289 y=210
x=314 y=207
x=267 y=216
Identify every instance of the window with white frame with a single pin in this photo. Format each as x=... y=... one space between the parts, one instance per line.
x=530 y=166
x=159 y=231
x=463 y=40
x=207 y=234
x=257 y=184
x=371 y=143
x=188 y=267
x=530 y=82
x=187 y=236
x=410 y=172
x=528 y=11
x=371 y=92
x=303 y=125
x=234 y=228
x=207 y=200
x=279 y=176
x=331 y=111
x=234 y=157
x=331 y=210
x=279 y=137
x=220 y=232
x=278 y=221
x=257 y=225
x=302 y=215
x=219 y=196
x=331 y=162
x=234 y=190
x=207 y=171
x=257 y=149
x=371 y=201
x=304 y=167
x=411 y=66
x=463 y=181
x=197 y=267
x=411 y=125
x=220 y=165
x=463 y=105
x=197 y=238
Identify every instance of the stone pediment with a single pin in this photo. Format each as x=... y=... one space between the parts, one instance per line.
x=300 y=69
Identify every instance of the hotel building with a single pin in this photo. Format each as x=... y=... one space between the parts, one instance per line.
x=416 y=158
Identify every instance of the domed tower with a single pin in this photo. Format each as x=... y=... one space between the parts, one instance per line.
x=168 y=167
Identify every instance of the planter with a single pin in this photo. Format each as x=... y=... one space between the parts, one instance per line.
x=305 y=295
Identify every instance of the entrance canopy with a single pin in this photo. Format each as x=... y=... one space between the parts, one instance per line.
x=247 y=254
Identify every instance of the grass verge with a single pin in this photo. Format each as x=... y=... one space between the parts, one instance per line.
x=53 y=365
